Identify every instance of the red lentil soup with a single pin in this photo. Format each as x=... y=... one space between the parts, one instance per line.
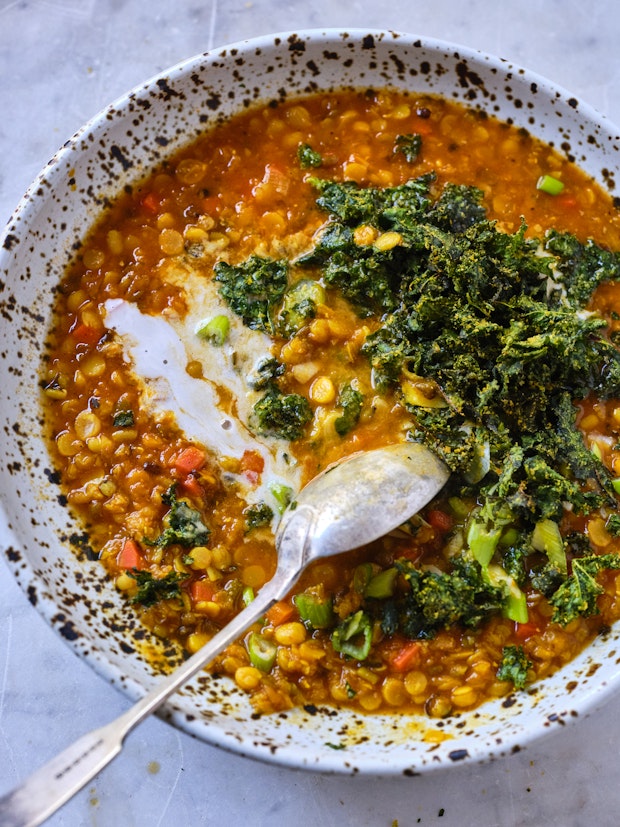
x=132 y=451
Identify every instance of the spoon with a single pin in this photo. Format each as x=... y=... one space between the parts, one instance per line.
x=351 y=503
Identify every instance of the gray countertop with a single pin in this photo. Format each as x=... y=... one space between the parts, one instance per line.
x=60 y=62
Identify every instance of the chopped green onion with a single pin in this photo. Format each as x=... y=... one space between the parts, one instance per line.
x=354 y=636
x=362 y=576
x=382 y=585
x=283 y=495
x=616 y=485
x=314 y=608
x=510 y=537
x=546 y=537
x=549 y=184
x=247 y=595
x=459 y=507
x=214 y=330
x=515 y=607
x=482 y=542
x=262 y=652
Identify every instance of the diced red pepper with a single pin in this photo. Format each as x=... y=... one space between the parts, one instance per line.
x=523 y=631
x=210 y=203
x=85 y=333
x=201 y=591
x=150 y=202
x=130 y=556
x=439 y=520
x=566 y=200
x=191 y=485
x=190 y=460
x=279 y=613
x=407 y=657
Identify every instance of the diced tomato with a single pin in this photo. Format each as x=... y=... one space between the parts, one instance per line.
x=566 y=200
x=209 y=204
x=277 y=179
x=525 y=630
x=252 y=461
x=202 y=591
x=191 y=485
x=150 y=202
x=252 y=465
x=439 y=520
x=422 y=127
x=190 y=460
x=85 y=333
x=130 y=556
x=279 y=613
x=406 y=657
x=411 y=553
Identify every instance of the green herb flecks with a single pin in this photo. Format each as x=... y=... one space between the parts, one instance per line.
x=153 y=589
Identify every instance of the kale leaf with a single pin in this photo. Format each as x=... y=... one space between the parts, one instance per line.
x=409 y=145
x=253 y=288
x=308 y=157
x=513 y=666
x=578 y=594
x=581 y=267
x=281 y=415
x=438 y=600
x=350 y=401
x=183 y=525
x=153 y=589
x=257 y=515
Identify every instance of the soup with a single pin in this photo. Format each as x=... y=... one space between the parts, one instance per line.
x=328 y=275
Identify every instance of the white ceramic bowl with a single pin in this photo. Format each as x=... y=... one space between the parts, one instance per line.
x=38 y=536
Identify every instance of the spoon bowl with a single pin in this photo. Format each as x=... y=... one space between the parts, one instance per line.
x=350 y=503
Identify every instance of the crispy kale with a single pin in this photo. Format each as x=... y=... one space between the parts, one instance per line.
x=350 y=401
x=514 y=666
x=265 y=373
x=581 y=267
x=183 y=525
x=366 y=274
x=281 y=415
x=439 y=600
x=546 y=579
x=308 y=157
x=252 y=289
x=409 y=145
x=153 y=589
x=299 y=305
x=457 y=208
x=577 y=595
x=123 y=419
x=497 y=321
x=257 y=515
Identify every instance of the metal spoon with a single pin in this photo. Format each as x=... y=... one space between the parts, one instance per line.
x=352 y=503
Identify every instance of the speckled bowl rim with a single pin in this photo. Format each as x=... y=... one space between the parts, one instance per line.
x=497 y=729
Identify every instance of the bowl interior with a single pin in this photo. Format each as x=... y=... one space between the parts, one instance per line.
x=48 y=552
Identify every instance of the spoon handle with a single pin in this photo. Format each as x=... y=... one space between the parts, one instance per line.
x=48 y=788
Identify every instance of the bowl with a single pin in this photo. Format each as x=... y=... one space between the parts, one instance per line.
x=48 y=553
